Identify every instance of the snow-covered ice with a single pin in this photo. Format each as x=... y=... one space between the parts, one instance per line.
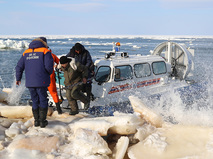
x=82 y=136
x=13 y=44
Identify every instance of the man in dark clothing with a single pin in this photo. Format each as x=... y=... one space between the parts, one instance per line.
x=37 y=62
x=83 y=56
x=74 y=75
x=80 y=54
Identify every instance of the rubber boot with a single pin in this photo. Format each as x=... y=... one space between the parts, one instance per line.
x=86 y=105
x=74 y=107
x=58 y=108
x=90 y=96
x=36 y=117
x=43 y=116
x=86 y=101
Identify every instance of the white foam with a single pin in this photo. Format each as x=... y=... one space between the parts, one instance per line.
x=16 y=93
x=173 y=109
x=136 y=47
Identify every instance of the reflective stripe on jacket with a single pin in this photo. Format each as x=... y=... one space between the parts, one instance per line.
x=38 y=66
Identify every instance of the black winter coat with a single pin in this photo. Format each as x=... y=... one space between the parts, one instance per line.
x=83 y=57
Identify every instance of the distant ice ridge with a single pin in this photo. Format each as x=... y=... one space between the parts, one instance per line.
x=13 y=44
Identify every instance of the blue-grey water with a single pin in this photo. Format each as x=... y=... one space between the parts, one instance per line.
x=133 y=45
x=59 y=45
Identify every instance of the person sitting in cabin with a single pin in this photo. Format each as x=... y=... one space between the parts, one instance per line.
x=37 y=62
x=74 y=74
x=83 y=56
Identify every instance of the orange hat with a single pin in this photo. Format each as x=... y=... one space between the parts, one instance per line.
x=118 y=44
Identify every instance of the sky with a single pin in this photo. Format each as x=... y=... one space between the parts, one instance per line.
x=106 y=17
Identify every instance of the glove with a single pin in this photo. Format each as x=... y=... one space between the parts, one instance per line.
x=59 y=66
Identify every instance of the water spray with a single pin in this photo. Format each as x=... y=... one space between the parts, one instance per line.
x=2 y=82
x=15 y=95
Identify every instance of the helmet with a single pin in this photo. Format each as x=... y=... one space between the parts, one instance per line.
x=118 y=44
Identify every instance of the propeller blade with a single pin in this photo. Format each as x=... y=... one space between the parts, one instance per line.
x=179 y=56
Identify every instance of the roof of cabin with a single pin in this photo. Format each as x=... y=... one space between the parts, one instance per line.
x=132 y=59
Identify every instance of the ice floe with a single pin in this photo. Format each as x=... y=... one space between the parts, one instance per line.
x=13 y=44
x=122 y=136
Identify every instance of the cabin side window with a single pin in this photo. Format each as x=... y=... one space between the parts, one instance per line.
x=123 y=73
x=142 y=70
x=103 y=74
x=159 y=67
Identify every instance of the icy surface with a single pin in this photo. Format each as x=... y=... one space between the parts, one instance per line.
x=187 y=136
x=13 y=44
x=80 y=137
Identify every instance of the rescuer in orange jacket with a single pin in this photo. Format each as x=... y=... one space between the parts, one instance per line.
x=52 y=88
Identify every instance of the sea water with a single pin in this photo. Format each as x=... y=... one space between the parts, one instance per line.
x=170 y=104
